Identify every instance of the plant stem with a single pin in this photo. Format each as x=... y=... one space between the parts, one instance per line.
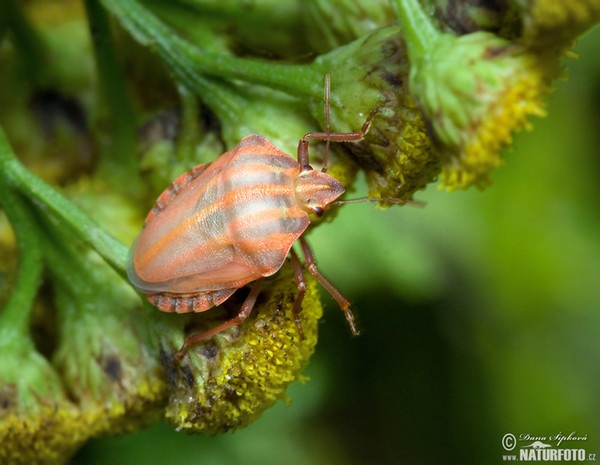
x=26 y=38
x=14 y=174
x=118 y=164
x=417 y=28
x=187 y=61
x=14 y=319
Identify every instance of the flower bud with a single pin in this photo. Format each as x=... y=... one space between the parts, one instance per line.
x=332 y=24
x=38 y=423
x=551 y=24
x=474 y=92
x=228 y=381
x=368 y=74
x=106 y=354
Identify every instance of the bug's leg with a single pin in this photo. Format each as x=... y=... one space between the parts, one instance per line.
x=301 y=285
x=327 y=122
x=344 y=304
x=328 y=136
x=243 y=313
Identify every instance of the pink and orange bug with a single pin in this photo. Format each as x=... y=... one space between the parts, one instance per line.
x=232 y=222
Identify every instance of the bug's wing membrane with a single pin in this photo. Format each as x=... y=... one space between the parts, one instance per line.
x=212 y=268
x=181 y=242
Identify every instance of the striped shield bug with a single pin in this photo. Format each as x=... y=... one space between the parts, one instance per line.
x=225 y=224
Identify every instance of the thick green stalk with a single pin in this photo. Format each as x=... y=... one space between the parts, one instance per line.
x=14 y=319
x=117 y=164
x=417 y=28
x=187 y=61
x=27 y=39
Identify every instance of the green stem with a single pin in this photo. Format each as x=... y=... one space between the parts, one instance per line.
x=417 y=28
x=187 y=61
x=118 y=162
x=190 y=126
x=14 y=174
x=26 y=38
x=14 y=320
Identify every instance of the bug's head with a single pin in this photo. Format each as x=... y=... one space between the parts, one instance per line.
x=315 y=190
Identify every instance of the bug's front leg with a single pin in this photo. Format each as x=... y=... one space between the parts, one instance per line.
x=344 y=304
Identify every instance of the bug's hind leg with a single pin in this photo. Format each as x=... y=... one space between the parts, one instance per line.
x=243 y=313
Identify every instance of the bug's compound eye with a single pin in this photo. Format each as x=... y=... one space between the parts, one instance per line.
x=318 y=211
x=306 y=168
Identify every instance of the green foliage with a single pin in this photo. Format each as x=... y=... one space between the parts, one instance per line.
x=479 y=312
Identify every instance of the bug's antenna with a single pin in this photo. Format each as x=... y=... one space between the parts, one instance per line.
x=327 y=121
x=392 y=200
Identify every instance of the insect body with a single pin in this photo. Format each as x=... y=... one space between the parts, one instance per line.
x=231 y=222
x=223 y=225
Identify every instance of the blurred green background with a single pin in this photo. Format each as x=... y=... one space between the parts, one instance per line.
x=480 y=316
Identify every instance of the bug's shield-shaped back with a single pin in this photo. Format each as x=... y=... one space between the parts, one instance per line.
x=220 y=227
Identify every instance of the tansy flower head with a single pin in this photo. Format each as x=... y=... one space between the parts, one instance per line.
x=475 y=91
x=228 y=381
x=369 y=74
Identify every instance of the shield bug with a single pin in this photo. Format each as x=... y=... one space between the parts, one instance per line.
x=225 y=224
